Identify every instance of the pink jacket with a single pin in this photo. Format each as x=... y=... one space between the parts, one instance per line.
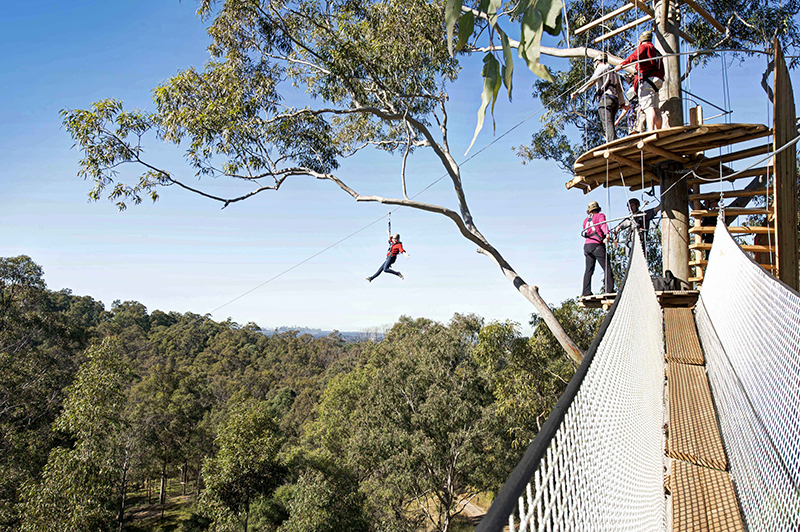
x=596 y=234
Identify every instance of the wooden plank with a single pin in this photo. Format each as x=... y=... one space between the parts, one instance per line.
x=681 y=340
x=706 y=15
x=703 y=499
x=754 y=230
x=629 y=163
x=623 y=29
x=597 y=22
x=746 y=247
x=707 y=213
x=753 y=172
x=729 y=194
x=785 y=173
x=737 y=155
x=655 y=150
x=693 y=432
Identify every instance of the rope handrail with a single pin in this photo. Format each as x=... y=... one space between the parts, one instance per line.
x=620 y=378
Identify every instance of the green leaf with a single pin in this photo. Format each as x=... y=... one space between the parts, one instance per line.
x=530 y=42
x=491 y=86
x=494 y=7
x=484 y=6
x=452 y=10
x=466 y=24
x=508 y=67
x=521 y=7
x=551 y=12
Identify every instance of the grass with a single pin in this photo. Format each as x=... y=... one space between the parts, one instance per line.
x=143 y=517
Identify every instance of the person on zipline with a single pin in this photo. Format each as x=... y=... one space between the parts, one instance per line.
x=595 y=231
x=395 y=248
x=608 y=93
x=649 y=78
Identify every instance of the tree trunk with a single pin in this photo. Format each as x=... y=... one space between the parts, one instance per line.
x=199 y=478
x=124 y=490
x=184 y=477
x=162 y=496
x=675 y=200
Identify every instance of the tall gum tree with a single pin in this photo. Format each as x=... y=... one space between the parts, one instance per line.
x=378 y=70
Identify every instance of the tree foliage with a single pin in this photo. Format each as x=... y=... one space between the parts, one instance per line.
x=81 y=485
x=293 y=432
x=246 y=467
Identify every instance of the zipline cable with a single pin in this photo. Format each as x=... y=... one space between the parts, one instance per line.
x=465 y=161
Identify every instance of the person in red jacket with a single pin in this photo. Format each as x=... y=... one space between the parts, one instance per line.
x=395 y=248
x=649 y=78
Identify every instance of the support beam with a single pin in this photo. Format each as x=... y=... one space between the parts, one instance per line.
x=785 y=173
x=622 y=29
x=609 y=16
x=674 y=188
x=662 y=152
x=706 y=15
x=627 y=162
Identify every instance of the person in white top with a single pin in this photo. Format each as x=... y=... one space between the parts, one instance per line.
x=608 y=93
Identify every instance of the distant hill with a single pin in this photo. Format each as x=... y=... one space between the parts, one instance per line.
x=349 y=336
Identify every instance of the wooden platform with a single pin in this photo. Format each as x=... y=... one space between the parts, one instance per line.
x=683 y=345
x=603 y=301
x=629 y=160
x=703 y=499
x=677 y=298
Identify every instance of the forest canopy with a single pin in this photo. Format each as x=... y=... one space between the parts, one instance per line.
x=103 y=409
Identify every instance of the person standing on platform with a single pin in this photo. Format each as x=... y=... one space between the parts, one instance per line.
x=595 y=231
x=608 y=93
x=640 y=219
x=649 y=78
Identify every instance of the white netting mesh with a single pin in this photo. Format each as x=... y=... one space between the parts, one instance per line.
x=749 y=325
x=604 y=468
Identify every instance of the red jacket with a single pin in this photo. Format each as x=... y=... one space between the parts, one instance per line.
x=395 y=248
x=646 y=69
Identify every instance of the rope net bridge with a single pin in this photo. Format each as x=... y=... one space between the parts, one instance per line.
x=627 y=449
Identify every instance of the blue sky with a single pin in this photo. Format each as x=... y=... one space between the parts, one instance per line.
x=184 y=253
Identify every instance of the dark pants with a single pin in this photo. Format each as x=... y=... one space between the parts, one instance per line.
x=386 y=267
x=608 y=108
x=596 y=253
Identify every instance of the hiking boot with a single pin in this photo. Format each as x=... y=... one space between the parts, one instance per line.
x=369 y=279
x=400 y=275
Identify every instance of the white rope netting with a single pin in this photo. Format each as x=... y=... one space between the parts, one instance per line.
x=749 y=326
x=603 y=468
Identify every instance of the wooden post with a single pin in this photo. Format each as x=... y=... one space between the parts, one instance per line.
x=785 y=174
x=675 y=199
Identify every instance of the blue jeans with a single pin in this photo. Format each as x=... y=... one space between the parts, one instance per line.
x=386 y=267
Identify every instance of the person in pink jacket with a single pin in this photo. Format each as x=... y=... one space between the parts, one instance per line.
x=595 y=231
x=395 y=248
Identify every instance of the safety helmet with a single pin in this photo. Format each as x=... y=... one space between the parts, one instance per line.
x=646 y=36
x=397 y=237
x=593 y=206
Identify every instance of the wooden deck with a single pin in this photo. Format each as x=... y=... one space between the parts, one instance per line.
x=631 y=161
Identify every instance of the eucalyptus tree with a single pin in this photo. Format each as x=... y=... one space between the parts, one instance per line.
x=246 y=468
x=38 y=346
x=84 y=483
x=377 y=73
x=416 y=425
